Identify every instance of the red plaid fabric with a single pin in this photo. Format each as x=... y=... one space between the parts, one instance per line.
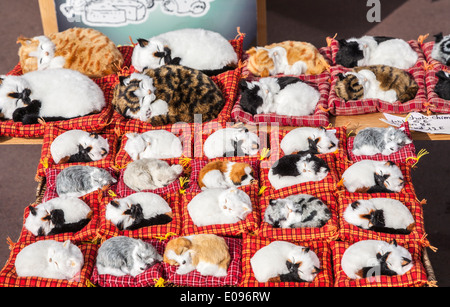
x=106 y=229
x=427 y=48
x=416 y=277
x=9 y=278
x=318 y=119
x=195 y=279
x=339 y=106
x=400 y=156
x=251 y=244
x=435 y=103
x=145 y=279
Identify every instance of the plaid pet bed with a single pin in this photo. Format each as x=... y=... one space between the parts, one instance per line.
x=9 y=278
x=435 y=103
x=427 y=48
x=251 y=244
x=146 y=279
x=416 y=277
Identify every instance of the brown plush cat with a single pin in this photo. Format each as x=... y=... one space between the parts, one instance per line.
x=85 y=50
x=288 y=57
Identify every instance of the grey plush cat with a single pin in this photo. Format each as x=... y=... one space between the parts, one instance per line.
x=371 y=141
x=79 y=180
x=119 y=256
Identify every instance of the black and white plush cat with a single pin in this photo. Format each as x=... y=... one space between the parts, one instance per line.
x=371 y=141
x=314 y=140
x=442 y=88
x=441 y=49
x=54 y=94
x=297 y=168
x=288 y=96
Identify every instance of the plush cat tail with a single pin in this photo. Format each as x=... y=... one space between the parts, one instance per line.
x=410 y=92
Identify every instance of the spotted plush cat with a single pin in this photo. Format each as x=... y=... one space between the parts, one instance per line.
x=167 y=95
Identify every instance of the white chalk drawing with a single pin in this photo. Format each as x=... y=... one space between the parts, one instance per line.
x=112 y=13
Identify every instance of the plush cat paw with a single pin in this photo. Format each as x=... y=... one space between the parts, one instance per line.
x=19 y=114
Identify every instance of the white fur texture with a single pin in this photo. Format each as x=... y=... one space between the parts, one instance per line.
x=158 y=144
x=297 y=140
x=222 y=142
x=197 y=48
x=270 y=261
x=45 y=54
x=219 y=206
x=216 y=179
x=50 y=259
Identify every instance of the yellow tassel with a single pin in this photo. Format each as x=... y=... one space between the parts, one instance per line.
x=427 y=66
x=111 y=193
x=169 y=234
x=348 y=134
x=183 y=181
x=44 y=162
x=89 y=284
x=262 y=190
x=340 y=183
x=185 y=161
x=264 y=153
x=330 y=40
x=422 y=38
x=421 y=153
x=431 y=283
x=159 y=282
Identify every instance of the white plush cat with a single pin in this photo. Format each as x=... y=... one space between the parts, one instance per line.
x=315 y=140
x=158 y=144
x=219 y=206
x=231 y=142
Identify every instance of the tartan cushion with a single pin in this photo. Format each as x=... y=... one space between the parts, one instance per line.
x=416 y=277
x=106 y=229
x=145 y=279
x=251 y=244
x=434 y=102
x=317 y=119
x=427 y=48
x=195 y=279
x=9 y=278
x=339 y=106
x=47 y=160
x=396 y=157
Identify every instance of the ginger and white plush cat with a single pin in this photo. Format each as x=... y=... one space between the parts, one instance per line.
x=45 y=54
x=441 y=49
x=78 y=146
x=275 y=262
x=120 y=256
x=442 y=88
x=149 y=174
x=297 y=168
x=138 y=210
x=52 y=95
x=50 y=259
x=194 y=48
x=288 y=96
x=288 y=57
x=314 y=140
x=157 y=144
x=58 y=215
x=219 y=206
x=370 y=258
x=371 y=141
x=225 y=174
x=381 y=215
x=231 y=142
x=369 y=176
x=375 y=50
x=206 y=253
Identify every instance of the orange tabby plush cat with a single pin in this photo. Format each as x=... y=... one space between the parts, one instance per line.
x=288 y=57
x=85 y=50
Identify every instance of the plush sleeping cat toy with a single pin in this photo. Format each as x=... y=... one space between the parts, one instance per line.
x=225 y=174
x=78 y=146
x=231 y=142
x=194 y=48
x=442 y=88
x=297 y=211
x=219 y=206
x=369 y=176
x=158 y=144
x=120 y=256
x=58 y=215
x=371 y=141
x=138 y=210
x=206 y=253
x=441 y=49
x=297 y=168
x=274 y=262
x=79 y=180
x=50 y=259
x=381 y=215
x=369 y=258
x=55 y=94
x=85 y=50
x=387 y=83
x=149 y=174
x=168 y=95
x=288 y=57
x=314 y=140
x=288 y=96
x=375 y=50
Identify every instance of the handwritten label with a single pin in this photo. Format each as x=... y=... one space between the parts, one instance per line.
x=436 y=124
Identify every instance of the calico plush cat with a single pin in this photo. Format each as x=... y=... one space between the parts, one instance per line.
x=387 y=83
x=297 y=168
x=168 y=95
x=225 y=174
x=371 y=141
x=158 y=144
x=85 y=50
x=288 y=57
x=314 y=140
x=231 y=142
x=120 y=256
x=441 y=49
x=52 y=95
x=288 y=96
x=375 y=50
x=442 y=88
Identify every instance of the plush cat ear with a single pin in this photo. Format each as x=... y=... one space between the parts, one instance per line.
x=122 y=80
x=251 y=51
x=114 y=204
x=94 y=135
x=143 y=42
x=389 y=163
x=243 y=84
x=1 y=80
x=316 y=270
x=22 y=40
x=306 y=250
x=342 y=42
x=438 y=37
x=66 y=244
x=442 y=75
x=340 y=76
x=405 y=261
x=32 y=210
x=394 y=242
x=355 y=205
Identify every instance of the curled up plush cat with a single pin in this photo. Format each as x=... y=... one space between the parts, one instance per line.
x=225 y=174
x=314 y=140
x=158 y=144
x=371 y=141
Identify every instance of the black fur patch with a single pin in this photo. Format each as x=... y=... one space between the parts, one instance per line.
x=292 y=276
x=250 y=100
x=382 y=39
x=285 y=81
x=348 y=54
x=442 y=88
